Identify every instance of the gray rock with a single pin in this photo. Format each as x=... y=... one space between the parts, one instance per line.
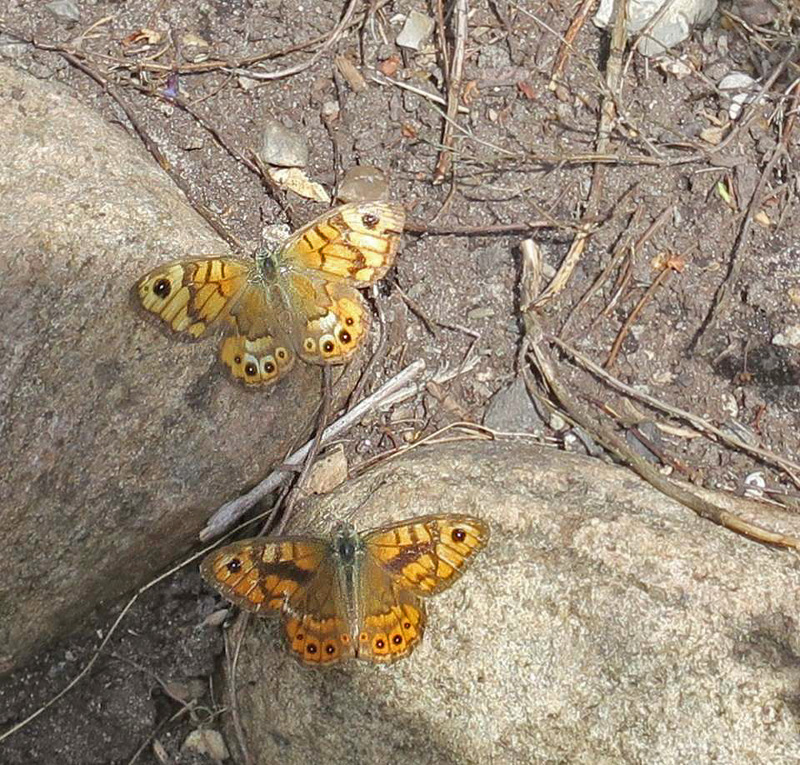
x=64 y=10
x=118 y=439
x=363 y=183
x=281 y=146
x=671 y=26
x=511 y=410
x=602 y=623
x=416 y=30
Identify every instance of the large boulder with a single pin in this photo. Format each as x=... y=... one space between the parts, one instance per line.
x=602 y=623
x=118 y=440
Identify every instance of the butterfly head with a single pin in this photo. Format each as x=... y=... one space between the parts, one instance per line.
x=347 y=544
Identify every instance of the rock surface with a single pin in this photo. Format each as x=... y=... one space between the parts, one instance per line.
x=603 y=623
x=118 y=440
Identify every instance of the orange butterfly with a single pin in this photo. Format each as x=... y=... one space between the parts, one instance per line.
x=298 y=300
x=358 y=595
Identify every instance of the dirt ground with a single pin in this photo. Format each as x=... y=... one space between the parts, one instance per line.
x=726 y=211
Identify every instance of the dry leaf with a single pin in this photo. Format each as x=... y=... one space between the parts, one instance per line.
x=295 y=179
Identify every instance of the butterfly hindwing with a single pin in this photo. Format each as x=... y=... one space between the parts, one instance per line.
x=332 y=320
x=392 y=619
x=316 y=619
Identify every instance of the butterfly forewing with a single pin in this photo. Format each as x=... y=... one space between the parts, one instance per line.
x=355 y=243
x=260 y=576
x=428 y=554
x=191 y=295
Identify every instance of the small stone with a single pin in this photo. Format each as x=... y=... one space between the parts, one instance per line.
x=789 y=338
x=363 y=183
x=741 y=88
x=208 y=742
x=281 y=146
x=415 y=31
x=11 y=47
x=649 y=431
x=511 y=410
x=64 y=10
x=328 y=472
x=194 y=48
x=480 y=313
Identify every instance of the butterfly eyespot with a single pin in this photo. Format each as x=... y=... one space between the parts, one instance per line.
x=310 y=345
x=397 y=639
x=234 y=565
x=311 y=648
x=237 y=359
x=328 y=346
x=162 y=288
x=344 y=336
x=349 y=321
x=363 y=637
x=458 y=535
x=369 y=220
x=406 y=625
x=380 y=644
x=281 y=354
x=330 y=649
x=250 y=369
x=269 y=368
x=345 y=639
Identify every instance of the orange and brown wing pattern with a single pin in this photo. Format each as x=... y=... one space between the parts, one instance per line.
x=190 y=295
x=259 y=575
x=355 y=242
x=332 y=320
x=316 y=621
x=392 y=618
x=256 y=362
x=428 y=554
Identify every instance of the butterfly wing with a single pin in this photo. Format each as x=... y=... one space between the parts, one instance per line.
x=354 y=243
x=316 y=619
x=192 y=296
x=427 y=555
x=258 y=575
x=392 y=619
x=331 y=319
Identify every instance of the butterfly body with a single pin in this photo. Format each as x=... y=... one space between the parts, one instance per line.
x=297 y=299
x=355 y=596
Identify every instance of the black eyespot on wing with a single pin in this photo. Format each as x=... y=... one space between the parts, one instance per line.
x=250 y=369
x=328 y=346
x=162 y=288
x=369 y=220
x=458 y=535
x=344 y=337
x=234 y=565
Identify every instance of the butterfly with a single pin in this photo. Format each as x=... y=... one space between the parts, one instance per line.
x=297 y=299
x=354 y=596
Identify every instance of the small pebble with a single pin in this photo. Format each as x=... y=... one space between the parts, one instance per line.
x=415 y=31
x=281 y=146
